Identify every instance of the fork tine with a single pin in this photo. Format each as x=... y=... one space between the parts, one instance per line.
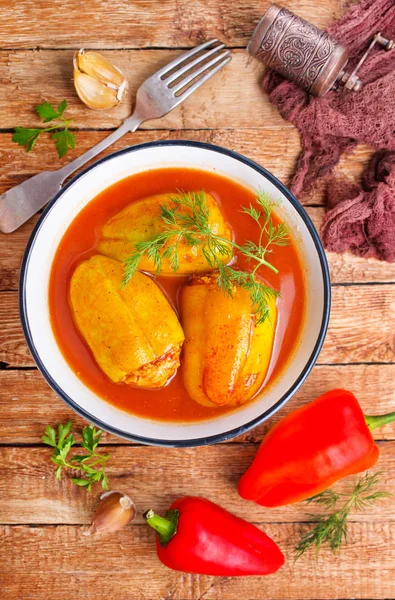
x=193 y=63
x=200 y=71
x=202 y=80
x=180 y=59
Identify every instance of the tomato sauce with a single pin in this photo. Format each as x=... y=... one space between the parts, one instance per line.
x=172 y=402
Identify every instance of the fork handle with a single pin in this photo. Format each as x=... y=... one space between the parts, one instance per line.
x=21 y=202
x=130 y=124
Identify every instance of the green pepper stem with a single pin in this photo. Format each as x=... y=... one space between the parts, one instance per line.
x=161 y=525
x=374 y=421
x=166 y=527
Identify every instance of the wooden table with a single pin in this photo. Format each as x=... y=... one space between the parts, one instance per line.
x=44 y=554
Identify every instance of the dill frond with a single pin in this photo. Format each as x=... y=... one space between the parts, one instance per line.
x=332 y=529
x=187 y=220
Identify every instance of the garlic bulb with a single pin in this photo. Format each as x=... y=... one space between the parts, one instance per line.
x=98 y=83
x=115 y=511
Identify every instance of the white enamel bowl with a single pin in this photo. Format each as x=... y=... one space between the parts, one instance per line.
x=37 y=265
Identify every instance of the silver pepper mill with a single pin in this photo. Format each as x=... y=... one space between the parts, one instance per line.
x=304 y=54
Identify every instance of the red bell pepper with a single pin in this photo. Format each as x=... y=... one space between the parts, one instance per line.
x=198 y=536
x=310 y=449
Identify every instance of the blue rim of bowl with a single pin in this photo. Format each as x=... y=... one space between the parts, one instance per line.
x=194 y=441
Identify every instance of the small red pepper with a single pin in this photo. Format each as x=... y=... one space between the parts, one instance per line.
x=198 y=536
x=310 y=449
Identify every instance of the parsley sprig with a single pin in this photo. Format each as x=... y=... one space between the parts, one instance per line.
x=187 y=220
x=92 y=465
x=64 y=139
x=332 y=529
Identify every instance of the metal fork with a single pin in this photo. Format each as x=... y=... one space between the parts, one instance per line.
x=157 y=96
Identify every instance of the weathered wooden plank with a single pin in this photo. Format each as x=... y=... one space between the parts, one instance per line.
x=142 y=23
x=344 y=268
x=232 y=99
x=221 y=102
x=16 y=165
x=356 y=311
x=13 y=349
x=276 y=149
x=154 y=478
x=37 y=560
x=27 y=404
x=361 y=328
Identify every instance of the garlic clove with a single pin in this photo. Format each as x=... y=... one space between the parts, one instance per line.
x=98 y=67
x=98 y=83
x=93 y=93
x=114 y=511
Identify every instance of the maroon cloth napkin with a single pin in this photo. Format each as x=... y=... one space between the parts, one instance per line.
x=359 y=218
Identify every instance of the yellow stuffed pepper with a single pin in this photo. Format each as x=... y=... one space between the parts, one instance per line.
x=226 y=354
x=133 y=333
x=141 y=220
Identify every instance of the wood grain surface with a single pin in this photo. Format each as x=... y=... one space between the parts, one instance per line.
x=346 y=341
x=143 y=23
x=214 y=471
x=276 y=149
x=53 y=560
x=27 y=404
x=44 y=553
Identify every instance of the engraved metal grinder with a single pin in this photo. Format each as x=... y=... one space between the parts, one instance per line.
x=304 y=54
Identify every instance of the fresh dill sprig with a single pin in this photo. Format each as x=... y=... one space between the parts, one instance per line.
x=332 y=529
x=259 y=292
x=187 y=220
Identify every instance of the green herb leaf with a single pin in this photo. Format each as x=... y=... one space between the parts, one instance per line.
x=105 y=484
x=64 y=139
x=50 y=436
x=187 y=220
x=80 y=457
x=63 y=448
x=47 y=112
x=252 y=212
x=327 y=498
x=91 y=438
x=26 y=137
x=62 y=107
x=87 y=438
x=92 y=465
x=63 y=432
x=260 y=293
x=332 y=529
x=83 y=483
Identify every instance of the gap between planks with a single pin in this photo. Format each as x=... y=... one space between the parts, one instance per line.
x=276 y=148
x=277 y=152
x=154 y=477
x=112 y=442
x=39 y=48
x=26 y=401
x=221 y=101
x=218 y=102
x=360 y=327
